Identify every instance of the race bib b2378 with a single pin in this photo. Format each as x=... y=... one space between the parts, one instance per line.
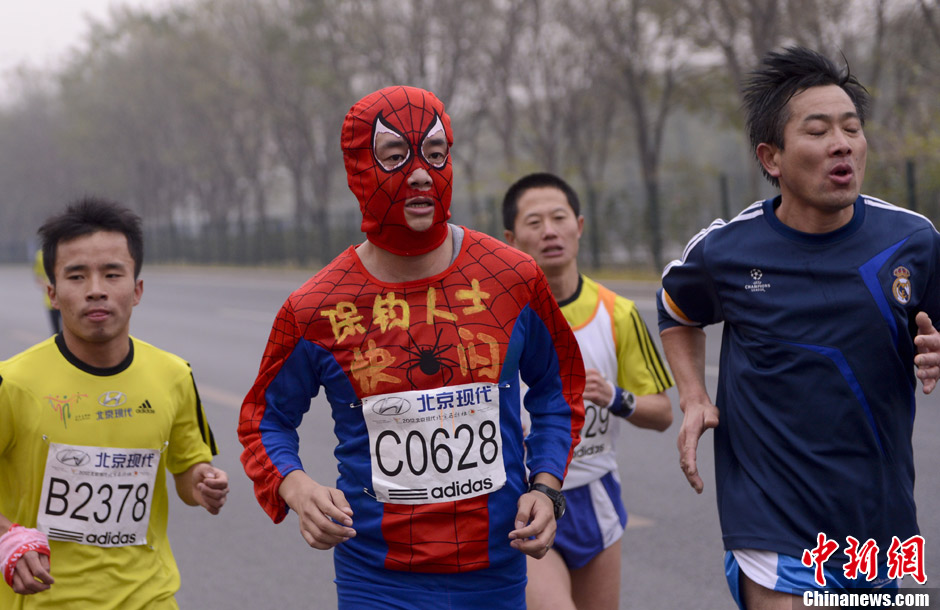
x=98 y=496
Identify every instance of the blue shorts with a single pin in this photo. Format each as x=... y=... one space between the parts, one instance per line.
x=787 y=574
x=356 y=596
x=594 y=519
x=363 y=585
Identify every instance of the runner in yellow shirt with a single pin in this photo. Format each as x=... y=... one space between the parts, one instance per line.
x=90 y=421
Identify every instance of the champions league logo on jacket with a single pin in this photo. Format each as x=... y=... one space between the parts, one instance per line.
x=757 y=285
x=902 y=285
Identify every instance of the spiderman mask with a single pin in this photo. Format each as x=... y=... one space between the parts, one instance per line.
x=396 y=147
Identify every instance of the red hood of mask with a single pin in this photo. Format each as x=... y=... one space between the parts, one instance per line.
x=411 y=112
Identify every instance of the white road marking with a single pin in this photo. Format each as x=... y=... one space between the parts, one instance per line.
x=218 y=396
x=636 y=521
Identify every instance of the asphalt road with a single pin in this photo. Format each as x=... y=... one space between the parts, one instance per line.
x=219 y=319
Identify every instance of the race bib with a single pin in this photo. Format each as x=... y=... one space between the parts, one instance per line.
x=435 y=445
x=98 y=496
x=597 y=435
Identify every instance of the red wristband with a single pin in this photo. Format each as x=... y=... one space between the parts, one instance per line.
x=17 y=542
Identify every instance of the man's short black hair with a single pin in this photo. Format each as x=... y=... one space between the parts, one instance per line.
x=783 y=74
x=534 y=181
x=84 y=217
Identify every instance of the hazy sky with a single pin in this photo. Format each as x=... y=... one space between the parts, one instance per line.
x=41 y=31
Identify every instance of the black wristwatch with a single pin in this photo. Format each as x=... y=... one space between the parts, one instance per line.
x=557 y=498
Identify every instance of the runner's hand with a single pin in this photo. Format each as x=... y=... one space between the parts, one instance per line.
x=325 y=515
x=698 y=418
x=535 y=525
x=210 y=487
x=32 y=574
x=928 y=352
x=597 y=389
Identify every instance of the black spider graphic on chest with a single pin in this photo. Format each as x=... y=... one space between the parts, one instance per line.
x=430 y=360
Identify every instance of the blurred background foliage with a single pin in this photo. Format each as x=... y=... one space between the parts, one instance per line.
x=219 y=120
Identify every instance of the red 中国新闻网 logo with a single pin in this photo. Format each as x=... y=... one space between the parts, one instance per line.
x=903 y=558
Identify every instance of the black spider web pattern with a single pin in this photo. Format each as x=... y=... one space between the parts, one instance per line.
x=504 y=274
x=440 y=538
x=410 y=112
x=444 y=536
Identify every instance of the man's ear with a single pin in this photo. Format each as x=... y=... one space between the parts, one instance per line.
x=768 y=155
x=138 y=290
x=510 y=237
x=50 y=291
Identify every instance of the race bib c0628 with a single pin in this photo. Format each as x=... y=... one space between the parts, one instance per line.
x=435 y=445
x=98 y=496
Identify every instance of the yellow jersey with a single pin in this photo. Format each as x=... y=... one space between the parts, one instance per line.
x=90 y=423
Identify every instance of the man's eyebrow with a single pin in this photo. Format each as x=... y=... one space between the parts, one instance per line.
x=391 y=143
x=84 y=267
x=819 y=116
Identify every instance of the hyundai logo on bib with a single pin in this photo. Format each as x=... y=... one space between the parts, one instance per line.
x=73 y=457
x=457 y=490
x=112 y=399
x=391 y=405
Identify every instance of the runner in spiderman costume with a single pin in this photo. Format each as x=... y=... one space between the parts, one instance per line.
x=418 y=337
